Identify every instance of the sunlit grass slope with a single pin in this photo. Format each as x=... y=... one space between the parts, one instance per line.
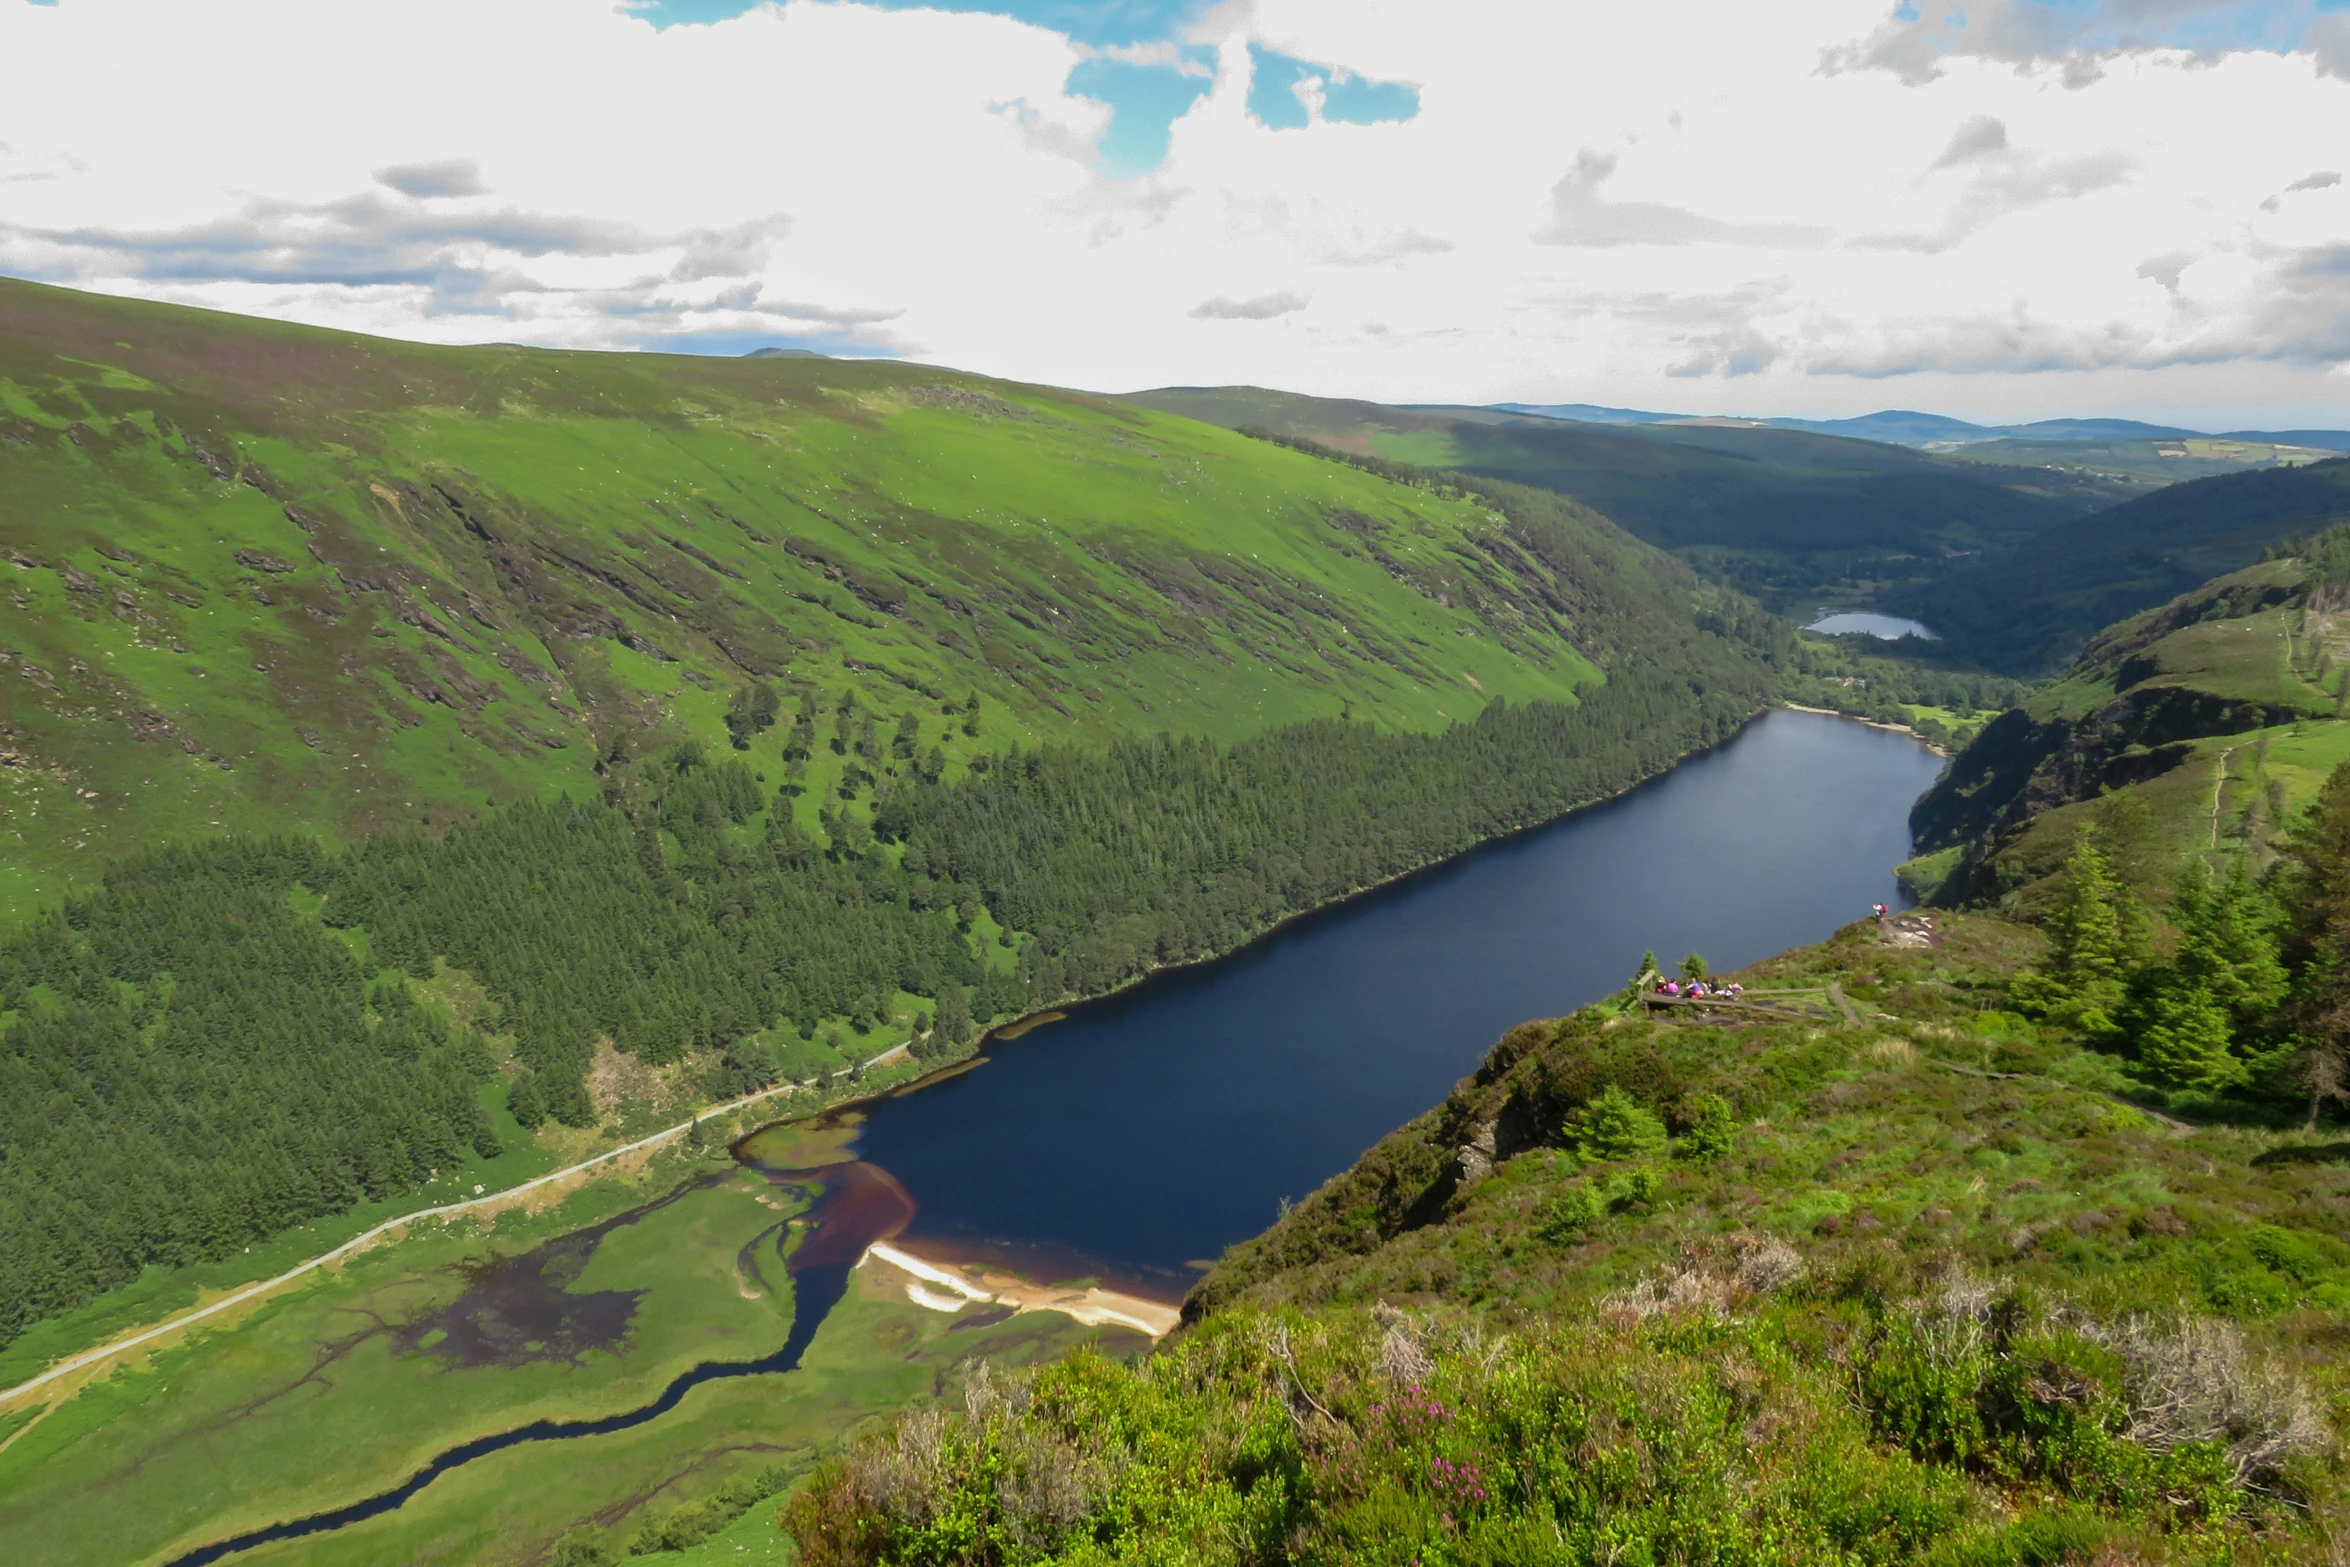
x=262 y=575
x=2200 y=727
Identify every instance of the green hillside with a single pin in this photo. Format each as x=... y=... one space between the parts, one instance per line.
x=2029 y=612
x=1871 y=1270
x=2201 y=726
x=268 y=577
x=1799 y=520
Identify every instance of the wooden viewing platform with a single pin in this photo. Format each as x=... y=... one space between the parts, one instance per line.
x=1737 y=1004
x=1751 y=1005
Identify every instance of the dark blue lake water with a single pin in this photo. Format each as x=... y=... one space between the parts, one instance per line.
x=1147 y=1132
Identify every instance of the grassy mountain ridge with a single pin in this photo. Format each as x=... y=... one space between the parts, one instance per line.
x=272 y=576
x=2033 y=609
x=1795 y=518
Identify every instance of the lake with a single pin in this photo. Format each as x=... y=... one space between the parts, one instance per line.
x=1892 y=628
x=1146 y=1132
x=1136 y=1138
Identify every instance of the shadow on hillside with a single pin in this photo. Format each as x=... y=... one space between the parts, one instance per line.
x=2304 y=1153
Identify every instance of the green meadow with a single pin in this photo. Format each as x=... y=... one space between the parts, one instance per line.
x=340 y=1388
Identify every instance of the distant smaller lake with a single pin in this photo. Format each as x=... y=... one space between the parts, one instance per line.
x=1891 y=627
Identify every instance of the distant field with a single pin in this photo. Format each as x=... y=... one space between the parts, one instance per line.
x=2149 y=464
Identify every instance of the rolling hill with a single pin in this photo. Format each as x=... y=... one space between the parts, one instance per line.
x=263 y=576
x=1797 y=519
x=2030 y=611
x=2150 y=463
x=1940 y=432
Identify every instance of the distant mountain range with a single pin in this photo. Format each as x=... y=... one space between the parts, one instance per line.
x=1797 y=519
x=1907 y=427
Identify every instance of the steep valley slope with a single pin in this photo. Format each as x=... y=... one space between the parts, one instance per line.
x=1865 y=1269
x=265 y=576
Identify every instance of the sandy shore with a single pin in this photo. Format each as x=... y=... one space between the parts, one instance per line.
x=1854 y=718
x=943 y=1288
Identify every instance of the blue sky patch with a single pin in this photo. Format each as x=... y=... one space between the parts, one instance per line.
x=1146 y=100
x=734 y=345
x=1359 y=102
x=1102 y=23
x=1273 y=95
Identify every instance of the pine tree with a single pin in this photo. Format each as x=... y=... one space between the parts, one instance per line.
x=2232 y=932
x=751 y=713
x=2197 y=1012
x=2097 y=932
x=1644 y=976
x=1614 y=1125
x=2318 y=896
x=954 y=1016
x=1713 y=1132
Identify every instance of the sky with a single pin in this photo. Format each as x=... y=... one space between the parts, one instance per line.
x=1999 y=209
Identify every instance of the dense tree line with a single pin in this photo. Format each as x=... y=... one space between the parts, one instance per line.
x=218 y=1044
x=193 y=1067
x=1846 y=674
x=666 y=932
x=1166 y=850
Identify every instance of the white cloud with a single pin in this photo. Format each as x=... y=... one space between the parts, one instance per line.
x=1262 y=308
x=449 y=177
x=1714 y=204
x=1979 y=136
x=2329 y=43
